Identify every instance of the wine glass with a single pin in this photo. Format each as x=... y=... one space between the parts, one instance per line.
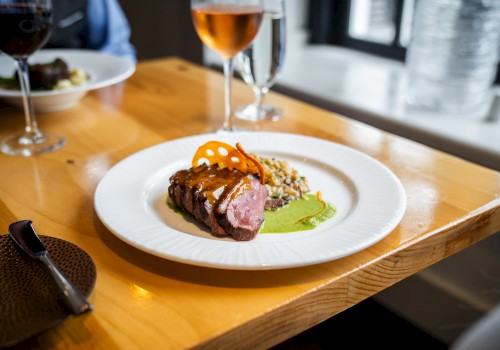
x=25 y=26
x=260 y=63
x=228 y=27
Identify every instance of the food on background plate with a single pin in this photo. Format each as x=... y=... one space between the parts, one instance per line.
x=234 y=193
x=54 y=75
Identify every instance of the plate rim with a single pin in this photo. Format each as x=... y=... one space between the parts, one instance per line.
x=394 y=220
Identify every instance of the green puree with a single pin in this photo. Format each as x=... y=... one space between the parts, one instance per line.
x=288 y=218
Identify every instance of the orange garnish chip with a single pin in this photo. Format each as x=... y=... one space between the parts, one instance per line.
x=226 y=156
x=255 y=163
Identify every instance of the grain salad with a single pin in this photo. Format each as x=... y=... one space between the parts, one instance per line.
x=283 y=182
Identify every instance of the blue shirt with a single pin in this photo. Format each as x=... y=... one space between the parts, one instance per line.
x=108 y=29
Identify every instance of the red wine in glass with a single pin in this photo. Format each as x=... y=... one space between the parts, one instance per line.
x=25 y=26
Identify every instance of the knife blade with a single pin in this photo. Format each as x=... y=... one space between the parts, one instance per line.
x=25 y=237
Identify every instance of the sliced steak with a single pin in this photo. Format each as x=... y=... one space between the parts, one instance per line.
x=229 y=202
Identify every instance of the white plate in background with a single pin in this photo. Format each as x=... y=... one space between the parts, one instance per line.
x=103 y=70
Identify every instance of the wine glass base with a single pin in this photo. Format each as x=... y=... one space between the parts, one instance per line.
x=218 y=130
x=256 y=113
x=22 y=145
x=225 y=130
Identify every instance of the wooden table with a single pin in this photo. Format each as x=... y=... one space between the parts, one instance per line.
x=145 y=302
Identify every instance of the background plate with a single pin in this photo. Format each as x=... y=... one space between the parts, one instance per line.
x=370 y=201
x=103 y=69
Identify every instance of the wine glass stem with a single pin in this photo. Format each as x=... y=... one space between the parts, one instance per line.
x=259 y=96
x=228 y=74
x=31 y=128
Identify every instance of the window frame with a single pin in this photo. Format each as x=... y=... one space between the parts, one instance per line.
x=328 y=23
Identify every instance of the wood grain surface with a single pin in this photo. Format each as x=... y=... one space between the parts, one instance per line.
x=145 y=302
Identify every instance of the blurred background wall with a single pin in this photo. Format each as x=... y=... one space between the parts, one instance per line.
x=162 y=28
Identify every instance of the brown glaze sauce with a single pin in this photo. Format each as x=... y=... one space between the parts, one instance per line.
x=218 y=186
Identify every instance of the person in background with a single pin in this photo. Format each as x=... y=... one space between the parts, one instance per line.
x=91 y=24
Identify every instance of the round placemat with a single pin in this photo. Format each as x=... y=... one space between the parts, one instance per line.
x=30 y=303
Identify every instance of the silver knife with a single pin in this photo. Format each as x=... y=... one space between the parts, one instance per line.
x=23 y=234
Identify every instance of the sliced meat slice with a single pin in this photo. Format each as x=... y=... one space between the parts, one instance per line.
x=228 y=201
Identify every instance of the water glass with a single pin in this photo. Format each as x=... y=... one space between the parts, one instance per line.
x=261 y=62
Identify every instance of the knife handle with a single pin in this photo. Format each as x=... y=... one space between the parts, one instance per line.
x=72 y=297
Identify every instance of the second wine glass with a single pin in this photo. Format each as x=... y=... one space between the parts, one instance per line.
x=260 y=63
x=228 y=27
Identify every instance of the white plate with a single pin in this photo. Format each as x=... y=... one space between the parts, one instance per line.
x=370 y=201
x=103 y=69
